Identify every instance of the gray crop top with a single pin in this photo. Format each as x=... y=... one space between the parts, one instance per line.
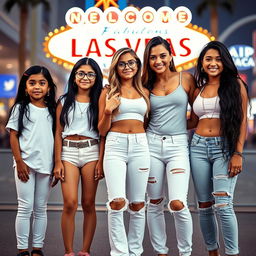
x=168 y=113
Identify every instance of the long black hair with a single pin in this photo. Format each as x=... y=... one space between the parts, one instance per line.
x=94 y=94
x=229 y=92
x=148 y=76
x=22 y=99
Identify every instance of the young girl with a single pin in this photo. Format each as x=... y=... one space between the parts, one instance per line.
x=168 y=145
x=31 y=126
x=217 y=145
x=77 y=150
x=122 y=109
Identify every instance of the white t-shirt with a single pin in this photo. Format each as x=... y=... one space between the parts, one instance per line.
x=79 y=121
x=36 y=140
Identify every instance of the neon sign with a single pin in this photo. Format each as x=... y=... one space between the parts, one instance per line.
x=242 y=56
x=98 y=34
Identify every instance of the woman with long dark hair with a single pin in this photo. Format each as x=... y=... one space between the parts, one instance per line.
x=217 y=145
x=77 y=153
x=168 y=145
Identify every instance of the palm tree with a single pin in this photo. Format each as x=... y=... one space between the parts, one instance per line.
x=213 y=6
x=24 y=12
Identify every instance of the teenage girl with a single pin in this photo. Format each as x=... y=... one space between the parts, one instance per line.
x=217 y=145
x=168 y=144
x=123 y=107
x=77 y=150
x=31 y=125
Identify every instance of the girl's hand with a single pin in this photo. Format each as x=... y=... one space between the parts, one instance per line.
x=58 y=173
x=22 y=171
x=235 y=165
x=99 y=174
x=112 y=103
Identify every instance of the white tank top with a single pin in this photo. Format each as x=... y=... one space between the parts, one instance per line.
x=131 y=109
x=79 y=122
x=207 y=107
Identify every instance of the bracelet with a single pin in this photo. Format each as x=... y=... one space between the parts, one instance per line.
x=238 y=153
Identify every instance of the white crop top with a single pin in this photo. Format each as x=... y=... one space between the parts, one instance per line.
x=131 y=109
x=79 y=122
x=207 y=107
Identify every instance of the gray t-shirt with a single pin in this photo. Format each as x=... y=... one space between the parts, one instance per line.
x=36 y=141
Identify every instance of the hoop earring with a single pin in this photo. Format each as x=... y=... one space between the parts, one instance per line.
x=202 y=69
x=26 y=94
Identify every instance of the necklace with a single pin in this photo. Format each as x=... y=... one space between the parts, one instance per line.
x=163 y=88
x=81 y=111
x=128 y=89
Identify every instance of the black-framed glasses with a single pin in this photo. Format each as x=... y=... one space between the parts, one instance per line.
x=130 y=63
x=82 y=74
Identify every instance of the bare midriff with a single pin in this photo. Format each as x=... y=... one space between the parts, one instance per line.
x=209 y=127
x=77 y=137
x=128 y=126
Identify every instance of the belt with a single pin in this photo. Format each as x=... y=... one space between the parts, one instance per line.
x=80 y=144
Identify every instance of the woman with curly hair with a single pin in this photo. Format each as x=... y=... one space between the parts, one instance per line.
x=217 y=145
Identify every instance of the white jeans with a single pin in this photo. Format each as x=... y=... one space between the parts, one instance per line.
x=32 y=197
x=169 y=159
x=126 y=168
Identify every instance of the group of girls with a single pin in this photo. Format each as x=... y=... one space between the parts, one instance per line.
x=133 y=132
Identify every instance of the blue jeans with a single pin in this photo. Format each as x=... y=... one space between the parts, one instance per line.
x=209 y=167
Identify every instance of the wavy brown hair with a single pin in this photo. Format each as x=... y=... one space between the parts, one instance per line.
x=114 y=79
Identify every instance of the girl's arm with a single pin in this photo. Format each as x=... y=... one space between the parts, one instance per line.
x=58 y=167
x=99 y=174
x=106 y=108
x=236 y=160
x=22 y=168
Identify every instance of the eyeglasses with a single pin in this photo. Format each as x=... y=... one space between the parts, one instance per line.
x=89 y=75
x=130 y=63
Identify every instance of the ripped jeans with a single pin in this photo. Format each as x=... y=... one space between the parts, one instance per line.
x=126 y=168
x=169 y=160
x=213 y=184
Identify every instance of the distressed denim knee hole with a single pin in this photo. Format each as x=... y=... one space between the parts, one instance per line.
x=156 y=201
x=117 y=204
x=143 y=169
x=176 y=205
x=136 y=206
x=221 y=176
x=152 y=179
x=177 y=170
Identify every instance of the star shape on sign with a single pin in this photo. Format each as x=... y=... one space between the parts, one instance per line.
x=106 y=3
